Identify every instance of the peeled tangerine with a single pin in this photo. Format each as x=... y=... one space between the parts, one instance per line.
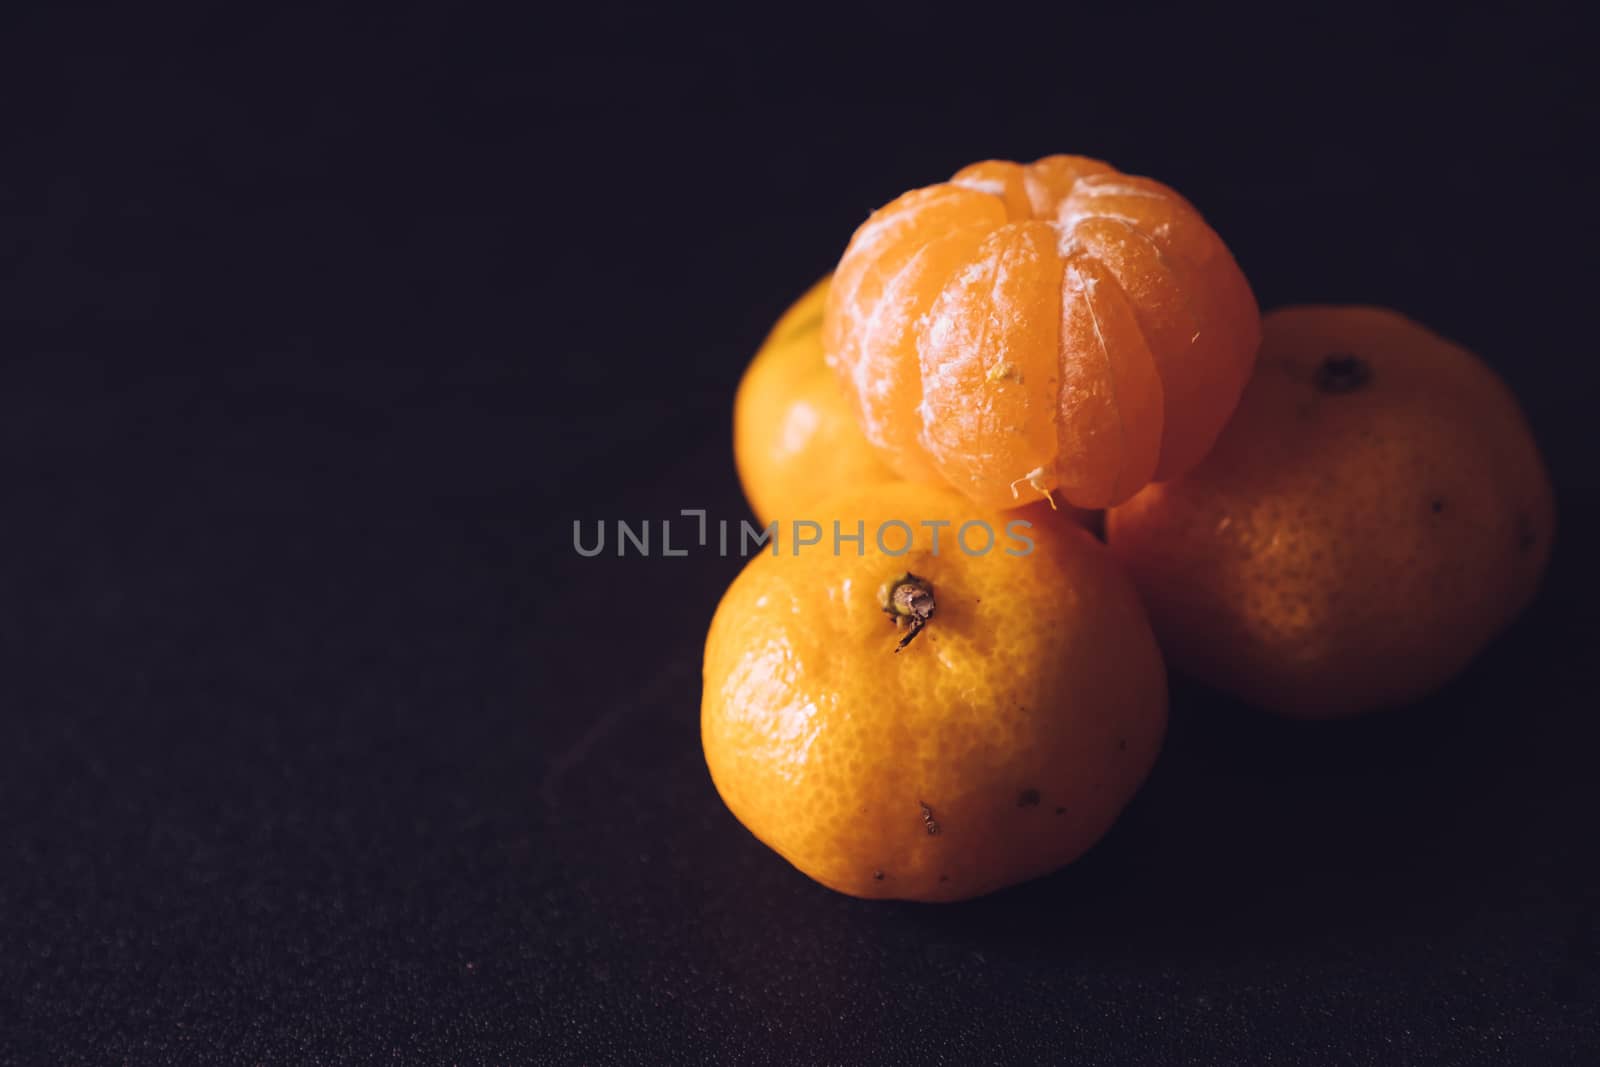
x=1023 y=329
x=936 y=723
x=1374 y=514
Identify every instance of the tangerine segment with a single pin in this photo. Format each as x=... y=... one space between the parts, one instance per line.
x=1376 y=511
x=991 y=377
x=1111 y=399
x=997 y=745
x=1078 y=232
x=892 y=383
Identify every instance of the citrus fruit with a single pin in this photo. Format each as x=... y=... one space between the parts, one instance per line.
x=1022 y=329
x=1374 y=514
x=795 y=439
x=933 y=723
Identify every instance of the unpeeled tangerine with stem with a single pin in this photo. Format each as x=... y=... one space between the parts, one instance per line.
x=1028 y=328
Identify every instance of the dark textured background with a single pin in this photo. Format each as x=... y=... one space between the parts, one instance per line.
x=318 y=743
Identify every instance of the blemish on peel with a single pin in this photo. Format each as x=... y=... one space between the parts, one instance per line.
x=1004 y=371
x=928 y=821
x=1341 y=372
x=1028 y=798
x=1526 y=537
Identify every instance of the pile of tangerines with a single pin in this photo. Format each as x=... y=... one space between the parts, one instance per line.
x=1323 y=511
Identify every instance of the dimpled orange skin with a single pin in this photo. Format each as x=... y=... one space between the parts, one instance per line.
x=795 y=440
x=1022 y=329
x=1356 y=537
x=998 y=745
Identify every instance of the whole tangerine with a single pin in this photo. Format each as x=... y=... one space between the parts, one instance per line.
x=1023 y=329
x=1374 y=514
x=933 y=723
x=795 y=439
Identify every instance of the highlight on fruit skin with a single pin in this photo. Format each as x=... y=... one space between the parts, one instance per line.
x=1053 y=327
x=1376 y=512
x=998 y=745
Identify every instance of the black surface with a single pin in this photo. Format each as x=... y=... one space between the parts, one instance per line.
x=318 y=743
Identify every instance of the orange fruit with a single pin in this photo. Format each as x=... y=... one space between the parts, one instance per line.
x=1021 y=329
x=989 y=732
x=795 y=439
x=1374 y=514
